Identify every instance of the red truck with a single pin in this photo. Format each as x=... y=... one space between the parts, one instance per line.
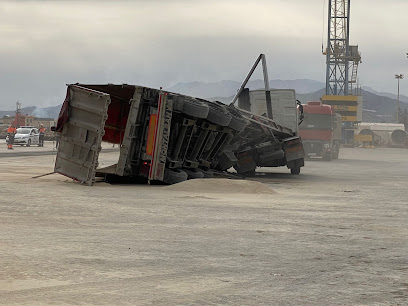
x=320 y=131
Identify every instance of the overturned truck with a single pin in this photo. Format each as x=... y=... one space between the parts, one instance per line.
x=168 y=137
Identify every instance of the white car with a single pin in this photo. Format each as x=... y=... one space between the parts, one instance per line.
x=26 y=136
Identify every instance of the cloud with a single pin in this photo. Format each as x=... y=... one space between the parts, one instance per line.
x=46 y=44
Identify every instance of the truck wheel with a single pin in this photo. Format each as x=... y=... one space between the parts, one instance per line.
x=248 y=173
x=218 y=114
x=238 y=122
x=192 y=107
x=174 y=176
x=247 y=170
x=207 y=173
x=193 y=174
x=295 y=170
x=226 y=160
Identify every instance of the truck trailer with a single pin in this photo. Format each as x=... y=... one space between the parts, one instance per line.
x=165 y=136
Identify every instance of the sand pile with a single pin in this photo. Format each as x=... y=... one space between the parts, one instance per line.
x=222 y=186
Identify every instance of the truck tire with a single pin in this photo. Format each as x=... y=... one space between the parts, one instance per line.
x=238 y=122
x=226 y=160
x=246 y=171
x=174 y=176
x=207 y=173
x=251 y=173
x=295 y=170
x=218 y=114
x=193 y=174
x=295 y=165
x=192 y=107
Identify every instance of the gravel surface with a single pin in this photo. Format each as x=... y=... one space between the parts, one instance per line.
x=337 y=234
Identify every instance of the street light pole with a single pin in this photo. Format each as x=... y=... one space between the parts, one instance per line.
x=398 y=77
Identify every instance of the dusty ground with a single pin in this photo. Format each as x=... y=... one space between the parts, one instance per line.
x=335 y=235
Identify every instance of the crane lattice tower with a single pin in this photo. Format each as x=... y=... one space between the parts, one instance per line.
x=341 y=58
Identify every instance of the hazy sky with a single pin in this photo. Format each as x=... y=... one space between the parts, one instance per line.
x=46 y=44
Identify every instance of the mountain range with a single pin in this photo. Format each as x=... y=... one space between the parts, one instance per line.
x=41 y=112
x=377 y=107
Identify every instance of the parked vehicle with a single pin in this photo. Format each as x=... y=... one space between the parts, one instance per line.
x=26 y=135
x=320 y=131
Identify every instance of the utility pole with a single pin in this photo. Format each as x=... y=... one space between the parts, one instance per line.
x=398 y=77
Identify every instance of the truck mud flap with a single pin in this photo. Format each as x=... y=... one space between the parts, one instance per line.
x=293 y=148
x=246 y=162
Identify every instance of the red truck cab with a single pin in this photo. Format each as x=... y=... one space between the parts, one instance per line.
x=320 y=131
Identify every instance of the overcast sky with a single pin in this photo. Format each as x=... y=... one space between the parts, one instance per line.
x=46 y=44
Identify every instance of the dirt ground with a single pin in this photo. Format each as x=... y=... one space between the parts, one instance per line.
x=335 y=235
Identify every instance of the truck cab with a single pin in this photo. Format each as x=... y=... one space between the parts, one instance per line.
x=320 y=131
